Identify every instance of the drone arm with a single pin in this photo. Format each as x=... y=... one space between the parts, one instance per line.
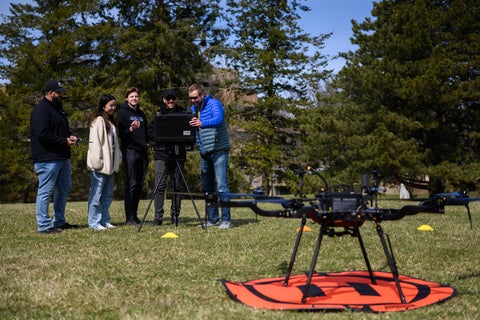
x=289 y=210
x=248 y=204
x=339 y=218
x=397 y=214
x=253 y=206
x=296 y=209
x=412 y=210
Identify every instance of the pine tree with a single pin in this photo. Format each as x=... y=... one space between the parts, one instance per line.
x=97 y=47
x=418 y=61
x=282 y=65
x=165 y=44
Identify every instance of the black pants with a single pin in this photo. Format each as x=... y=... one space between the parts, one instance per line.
x=135 y=163
x=163 y=170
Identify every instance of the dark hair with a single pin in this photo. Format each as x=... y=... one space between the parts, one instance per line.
x=100 y=112
x=130 y=90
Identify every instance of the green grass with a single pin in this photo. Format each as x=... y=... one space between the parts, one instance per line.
x=123 y=274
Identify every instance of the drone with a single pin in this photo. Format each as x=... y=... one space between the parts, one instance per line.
x=344 y=210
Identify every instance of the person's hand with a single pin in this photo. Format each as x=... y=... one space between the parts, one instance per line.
x=195 y=122
x=134 y=125
x=71 y=141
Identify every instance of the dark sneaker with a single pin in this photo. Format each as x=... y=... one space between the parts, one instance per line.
x=132 y=223
x=175 y=220
x=68 y=226
x=157 y=222
x=51 y=230
x=137 y=220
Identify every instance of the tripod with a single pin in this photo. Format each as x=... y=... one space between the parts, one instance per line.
x=175 y=152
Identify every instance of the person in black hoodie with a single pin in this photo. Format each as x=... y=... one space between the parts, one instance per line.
x=51 y=140
x=132 y=129
x=165 y=163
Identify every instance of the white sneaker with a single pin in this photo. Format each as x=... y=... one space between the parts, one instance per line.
x=98 y=228
x=109 y=226
x=225 y=225
x=210 y=224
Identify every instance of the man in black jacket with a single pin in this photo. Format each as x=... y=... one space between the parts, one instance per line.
x=132 y=129
x=51 y=140
x=166 y=163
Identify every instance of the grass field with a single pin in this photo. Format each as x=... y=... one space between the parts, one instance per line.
x=124 y=274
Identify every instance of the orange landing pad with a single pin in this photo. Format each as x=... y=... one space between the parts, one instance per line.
x=351 y=290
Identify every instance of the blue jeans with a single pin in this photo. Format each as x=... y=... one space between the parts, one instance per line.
x=214 y=179
x=100 y=198
x=52 y=175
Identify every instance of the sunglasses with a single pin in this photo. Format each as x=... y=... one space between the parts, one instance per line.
x=171 y=98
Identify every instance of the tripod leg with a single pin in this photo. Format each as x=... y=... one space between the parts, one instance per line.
x=295 y=249
x=151 y=200
x=323 y=229
x=365 y=257
x=191 y=197
x=176 y=209
x=391 y=260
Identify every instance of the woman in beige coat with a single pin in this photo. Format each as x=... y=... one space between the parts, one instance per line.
x=103 y=160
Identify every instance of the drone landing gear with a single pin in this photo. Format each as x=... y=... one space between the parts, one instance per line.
x=352 y=229
x=469 y=215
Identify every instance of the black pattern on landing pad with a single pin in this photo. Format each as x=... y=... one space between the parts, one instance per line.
x=351 y=290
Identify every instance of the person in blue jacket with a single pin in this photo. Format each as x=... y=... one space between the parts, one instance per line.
x=214 y=145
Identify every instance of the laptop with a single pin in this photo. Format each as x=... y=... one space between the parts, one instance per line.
x=173 y=129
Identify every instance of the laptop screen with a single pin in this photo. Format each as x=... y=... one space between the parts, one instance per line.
x=173 y=129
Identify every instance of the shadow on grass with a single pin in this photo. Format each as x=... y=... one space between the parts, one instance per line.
x=194 y=221
x=465 y=276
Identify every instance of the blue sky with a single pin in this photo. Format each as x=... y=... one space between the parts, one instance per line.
x=335 y=16
x=325 y=16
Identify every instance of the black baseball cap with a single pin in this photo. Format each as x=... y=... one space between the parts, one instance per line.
x=169 y=93
x=54 y=85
